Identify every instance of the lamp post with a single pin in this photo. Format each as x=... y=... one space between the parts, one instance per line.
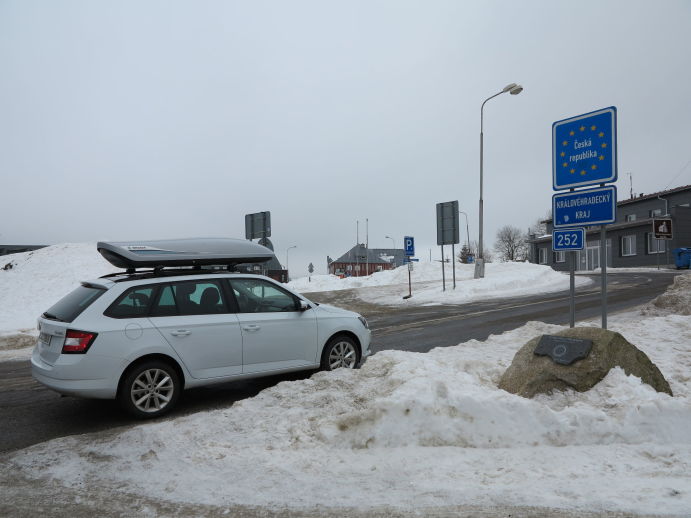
x=392 y=240
x=513 y=89
x=467 y=232
x=288 y=250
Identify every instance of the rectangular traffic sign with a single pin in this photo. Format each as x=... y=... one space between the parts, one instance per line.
x=447 y=223
x=596 y=206
x=584 y=149
x=662 y=228
x=570 y=239
x=409 y=244
x=258 y=225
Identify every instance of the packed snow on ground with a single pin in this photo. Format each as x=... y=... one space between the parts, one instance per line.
x=415 y=431
x=501 y=280
x=677 y=299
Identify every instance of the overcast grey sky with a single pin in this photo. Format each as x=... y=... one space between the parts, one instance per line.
x=142 y=120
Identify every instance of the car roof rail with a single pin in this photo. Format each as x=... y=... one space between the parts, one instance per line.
x=134 y=274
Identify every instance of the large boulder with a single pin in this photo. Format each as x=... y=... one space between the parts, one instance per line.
x=530 y=374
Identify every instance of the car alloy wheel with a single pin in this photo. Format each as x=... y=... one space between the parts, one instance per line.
x=150 y=389
x=341 y=353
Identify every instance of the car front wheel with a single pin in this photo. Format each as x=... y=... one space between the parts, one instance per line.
x=150 y=390
x=340 y=352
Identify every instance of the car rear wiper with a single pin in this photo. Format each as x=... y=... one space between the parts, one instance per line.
x=52 y=317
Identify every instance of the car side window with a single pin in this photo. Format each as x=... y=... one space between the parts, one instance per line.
x=259 y=296
x=165 y=306
x=200 y=297
x=134 y=303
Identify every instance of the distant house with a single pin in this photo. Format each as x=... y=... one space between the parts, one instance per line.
x=360 y=260
x=630 y=240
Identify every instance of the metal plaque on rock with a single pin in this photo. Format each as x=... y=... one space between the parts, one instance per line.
x=563 y=349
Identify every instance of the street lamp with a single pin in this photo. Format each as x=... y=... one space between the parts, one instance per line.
x=513 y=89
x=288 y=250
x=392 y=240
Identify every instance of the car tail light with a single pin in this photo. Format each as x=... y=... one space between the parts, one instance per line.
x=77 y=342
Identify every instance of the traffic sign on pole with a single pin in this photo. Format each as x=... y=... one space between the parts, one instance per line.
x=570 y=239
x=409 y=244
x=584 y=149
x=662 y=228
x=586 y=207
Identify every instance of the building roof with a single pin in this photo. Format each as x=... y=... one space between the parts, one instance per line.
x=361 y=254
x=642 y=197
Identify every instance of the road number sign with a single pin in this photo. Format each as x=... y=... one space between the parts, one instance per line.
x=571 y=239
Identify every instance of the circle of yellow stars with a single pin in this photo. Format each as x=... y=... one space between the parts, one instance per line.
x=566 y=142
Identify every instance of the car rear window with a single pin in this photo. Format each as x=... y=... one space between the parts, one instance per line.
x=71 y=306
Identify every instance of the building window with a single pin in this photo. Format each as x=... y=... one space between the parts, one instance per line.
x=655 y=246
x=543 y=256
x=560 y=256
x=628 y=245
x=349 y=267
x=655 y=212
x=630 y=217
x=357 y=267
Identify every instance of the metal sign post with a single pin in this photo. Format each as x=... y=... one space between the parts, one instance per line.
x=409 y=247
x=453 y=264
x=447 y=232
x=572 y=288
x=603 y=273
x=662 y=229
x=443 y=276
x=570 y=240
x=410 y=284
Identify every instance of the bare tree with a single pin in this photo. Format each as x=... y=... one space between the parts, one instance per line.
x=511 y=244
x=539 y=226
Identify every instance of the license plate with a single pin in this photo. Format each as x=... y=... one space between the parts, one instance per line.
x=45 y=338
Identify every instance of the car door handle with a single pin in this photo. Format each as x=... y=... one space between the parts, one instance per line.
x=251 y=327
x=180 y=332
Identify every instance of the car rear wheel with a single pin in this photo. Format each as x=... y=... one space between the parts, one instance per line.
x=340 y=352
x=150 y=389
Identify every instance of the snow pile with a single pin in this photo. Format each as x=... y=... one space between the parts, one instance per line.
x=501 y=280
x=677 y=299
x=40 y=278
x=413 y=431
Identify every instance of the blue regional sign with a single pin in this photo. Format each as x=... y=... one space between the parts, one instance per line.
x=587 y=207
x=584 y=149
x=571 y=239
x=409 y=245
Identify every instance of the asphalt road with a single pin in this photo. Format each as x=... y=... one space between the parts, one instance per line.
x=33 y=414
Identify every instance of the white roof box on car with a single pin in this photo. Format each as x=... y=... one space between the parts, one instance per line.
x=182 y=252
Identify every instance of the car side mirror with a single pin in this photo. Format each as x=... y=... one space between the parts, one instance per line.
x=302 y=305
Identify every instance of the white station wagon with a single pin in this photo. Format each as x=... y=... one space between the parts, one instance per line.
x=143 y=336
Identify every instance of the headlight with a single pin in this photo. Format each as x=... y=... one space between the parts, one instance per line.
x=364 y=322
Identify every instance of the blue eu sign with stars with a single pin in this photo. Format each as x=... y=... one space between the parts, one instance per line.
x=584 y=149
